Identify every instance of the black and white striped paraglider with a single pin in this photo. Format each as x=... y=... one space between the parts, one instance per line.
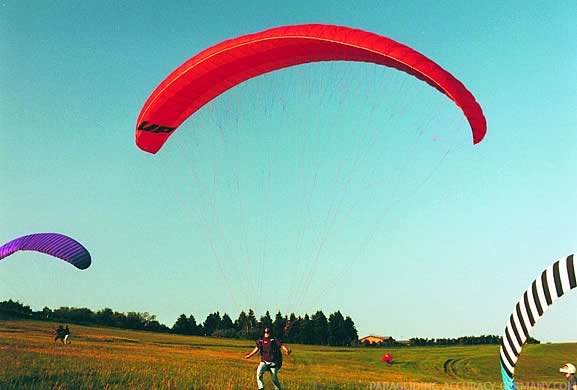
x=556 y=280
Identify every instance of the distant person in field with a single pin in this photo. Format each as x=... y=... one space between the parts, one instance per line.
x=270 y=358
x=62 y=334
x=66 y=335
x=59 y=334
x=569 y=371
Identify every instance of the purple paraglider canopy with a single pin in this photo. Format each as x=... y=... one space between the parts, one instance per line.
x=53 y=244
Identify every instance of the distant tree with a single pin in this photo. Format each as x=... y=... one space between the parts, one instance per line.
x=320 y=328
x=212 y=323
x=153 y=325
x=278 y=326
x=350 y=333
x=119 y=319
x=251 y=319
x=180 y=325
x=306 y=335
x=195 y=329
x=46 y=313
x=226 y=322
x=133 y=320
x=73 y=314
x=242 y=324
x=186 y=325
x=336 y=329
x=266 y=320
x=294 y=329
x=14 y=309
x=105 y=317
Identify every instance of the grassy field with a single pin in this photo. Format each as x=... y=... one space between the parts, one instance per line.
x=105 y=358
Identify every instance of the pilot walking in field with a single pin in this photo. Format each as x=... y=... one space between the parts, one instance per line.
x=62 y=334
x=569 y=371
x=66 y=335
x=59 y=334
x=270 y=358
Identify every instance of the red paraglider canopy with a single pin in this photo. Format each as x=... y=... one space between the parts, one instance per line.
x=387 y=358
x=231 y=62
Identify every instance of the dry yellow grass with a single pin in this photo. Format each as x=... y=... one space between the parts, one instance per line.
x=105 y=358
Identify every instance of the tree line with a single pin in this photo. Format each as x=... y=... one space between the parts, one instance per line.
x=317 y=329
x=334 y=330
x=105 y=317
x=465 y=340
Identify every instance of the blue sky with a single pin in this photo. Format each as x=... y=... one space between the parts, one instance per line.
x=331 y=186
